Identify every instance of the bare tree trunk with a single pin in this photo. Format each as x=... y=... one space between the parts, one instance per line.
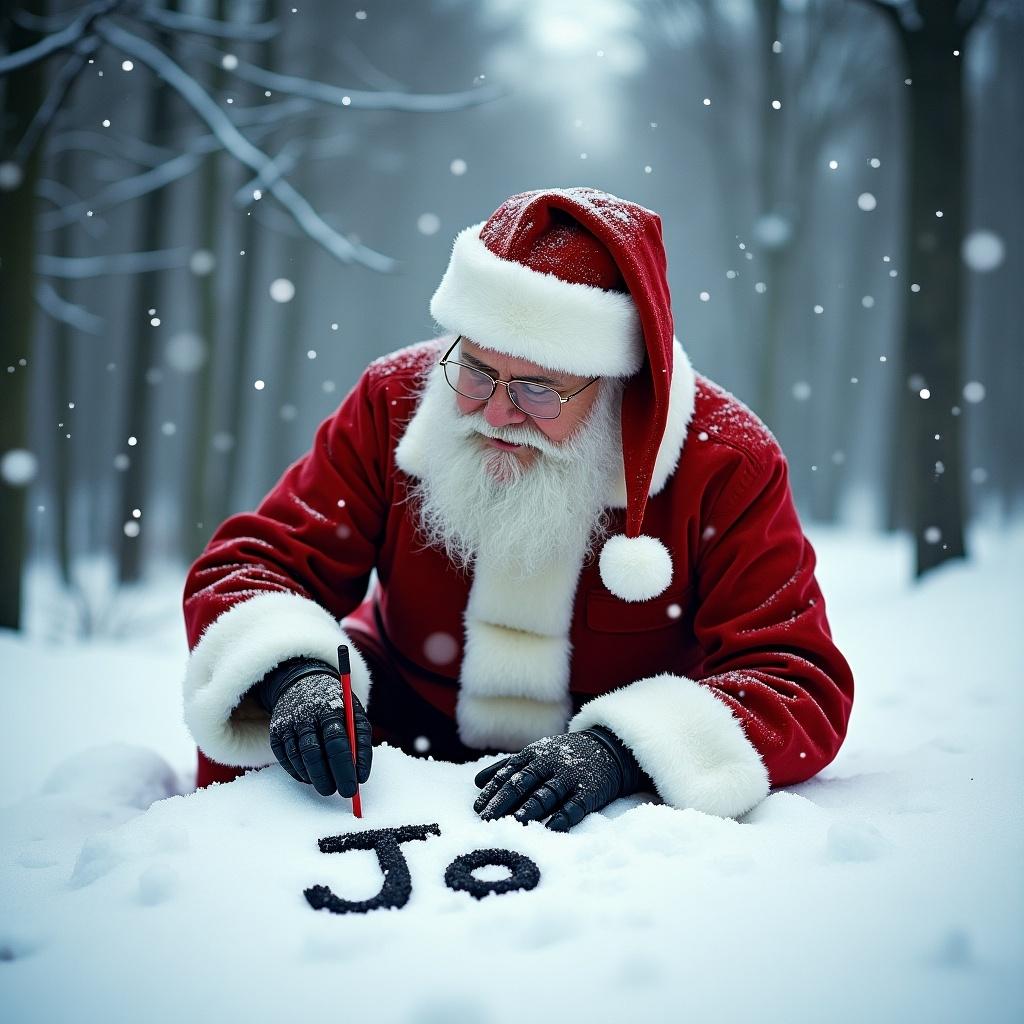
x=237 y=386
x=141 y=351
x=63 y=358
x=22 y=95
x=197 y=524
x=773 y=258
x=934 y=325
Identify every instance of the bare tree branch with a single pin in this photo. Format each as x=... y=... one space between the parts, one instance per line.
x=62 y=40
x=56 y=192
x=80 y=267
x=259 y=32
x=66 y=312
x=59 y=90
x=124 y=189
x=273 y=113
x=127 y=147
x=289 y=157
x=893 y=12
x=133 y=187
x=360 y=99
x=242 y=149
x=365 y=69
x=59 y=196
x=42 y=24
x=281 y=164
x=969 y=12
x=146 y=154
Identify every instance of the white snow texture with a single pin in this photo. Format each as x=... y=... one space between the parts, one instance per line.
x=887 y=889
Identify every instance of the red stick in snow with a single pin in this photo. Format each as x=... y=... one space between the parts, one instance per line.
x=350 y=719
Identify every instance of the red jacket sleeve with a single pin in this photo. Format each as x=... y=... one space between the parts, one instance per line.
x=769 y=703
x=273 y=584
x=761 y=621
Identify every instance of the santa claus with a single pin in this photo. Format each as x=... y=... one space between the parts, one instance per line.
x=541 y=535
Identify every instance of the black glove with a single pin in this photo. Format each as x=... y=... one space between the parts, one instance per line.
x=565 y=776
x=307 y=726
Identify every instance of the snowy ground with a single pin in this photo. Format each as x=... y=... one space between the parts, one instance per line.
x=888 y=889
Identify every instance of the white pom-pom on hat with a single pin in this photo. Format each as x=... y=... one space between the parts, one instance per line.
x=635 y=568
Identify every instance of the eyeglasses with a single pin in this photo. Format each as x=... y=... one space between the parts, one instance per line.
x=536 y=400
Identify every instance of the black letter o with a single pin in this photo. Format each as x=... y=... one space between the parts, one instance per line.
x=459 y=875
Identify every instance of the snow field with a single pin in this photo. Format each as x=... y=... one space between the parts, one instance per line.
x=888 y=888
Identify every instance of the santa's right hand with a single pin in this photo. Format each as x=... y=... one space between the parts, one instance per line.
x=307 y=728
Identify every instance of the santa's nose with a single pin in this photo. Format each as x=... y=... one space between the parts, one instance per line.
x=500 y=410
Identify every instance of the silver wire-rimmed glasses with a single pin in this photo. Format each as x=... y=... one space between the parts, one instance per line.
x=536 y=400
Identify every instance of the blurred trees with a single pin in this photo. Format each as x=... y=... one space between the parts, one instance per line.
x=232 y=135
x=933 y=37
x=17 y=312
x=34 y=101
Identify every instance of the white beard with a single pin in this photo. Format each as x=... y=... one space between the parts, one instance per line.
x=472 y=498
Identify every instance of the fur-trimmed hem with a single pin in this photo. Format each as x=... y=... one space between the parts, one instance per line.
x=687 y=740
x=508 y=723
x=237 y=650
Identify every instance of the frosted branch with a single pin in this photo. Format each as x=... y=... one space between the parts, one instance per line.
x=367 y=71
x=125 y=146
x=288 y=158
x=123 y=190
x=969 y=12
x=78 y=268
x=59 y=89
x=361 y=99
x=893 y=11
x=66 y=312
x=62 y=40
x=259 y=32
x=137 y=185
x=242 y=149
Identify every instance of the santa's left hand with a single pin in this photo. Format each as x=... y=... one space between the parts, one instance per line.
x=566 y=777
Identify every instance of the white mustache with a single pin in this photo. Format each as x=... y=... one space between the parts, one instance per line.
x=474 y=423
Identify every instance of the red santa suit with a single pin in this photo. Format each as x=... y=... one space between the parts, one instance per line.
x=720 y=674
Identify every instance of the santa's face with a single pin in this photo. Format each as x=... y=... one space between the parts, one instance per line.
x=539 y=496
x=500 y=413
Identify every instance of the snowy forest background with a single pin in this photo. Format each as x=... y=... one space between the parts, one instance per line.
x=214 y=214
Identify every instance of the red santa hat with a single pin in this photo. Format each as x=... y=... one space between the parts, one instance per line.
x=575 y=280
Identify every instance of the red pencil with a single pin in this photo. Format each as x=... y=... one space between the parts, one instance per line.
x=350 y=719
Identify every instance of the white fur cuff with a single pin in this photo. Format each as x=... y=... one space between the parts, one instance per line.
x=235 y=651
x=687 y=740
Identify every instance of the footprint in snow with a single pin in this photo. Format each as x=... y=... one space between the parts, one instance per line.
x=851 y=841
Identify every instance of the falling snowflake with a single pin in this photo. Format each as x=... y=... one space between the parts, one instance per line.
x=440 y=648
x=428 y=223
x=282 y=290
x=974 y=392
x=18 y=467
x=202 y=262
x=185 y=352
x=983 y=251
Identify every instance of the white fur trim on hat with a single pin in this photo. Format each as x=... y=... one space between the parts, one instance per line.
x=687 y=740
x=506 y=306
x=237 y=650
x=635 y=568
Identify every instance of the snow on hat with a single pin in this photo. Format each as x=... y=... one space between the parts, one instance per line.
x=575 y=280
